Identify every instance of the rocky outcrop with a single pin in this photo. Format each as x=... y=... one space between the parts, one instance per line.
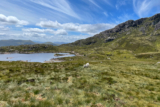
x=155 y=19
x=157 y=26
x=123 y=26
x=142 y=29
x=126 y=27
x=109 y=39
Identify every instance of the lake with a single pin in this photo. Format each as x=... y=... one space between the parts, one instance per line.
x=35 y=57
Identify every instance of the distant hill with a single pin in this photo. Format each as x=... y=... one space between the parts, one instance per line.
x=60 y=43
x=142 y=35
x=49 y=43
x=12 y=42
x=53 y=43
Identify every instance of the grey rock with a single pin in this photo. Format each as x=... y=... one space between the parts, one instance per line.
x=157 y=26
x=138 y=22
x=125 y=27
x=109 y=39
x=155 y=19
x=142 y=29
x=128 y=33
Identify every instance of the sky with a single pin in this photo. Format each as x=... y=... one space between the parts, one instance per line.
x=68 y=20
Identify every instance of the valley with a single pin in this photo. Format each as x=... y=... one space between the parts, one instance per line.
x=124 y=71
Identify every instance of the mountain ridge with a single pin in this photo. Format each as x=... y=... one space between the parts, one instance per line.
x=121 y=28
x=12 y=42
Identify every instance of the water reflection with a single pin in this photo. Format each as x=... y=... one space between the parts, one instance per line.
x=36 y=57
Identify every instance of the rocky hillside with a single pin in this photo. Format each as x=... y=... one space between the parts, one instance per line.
x=141 y=35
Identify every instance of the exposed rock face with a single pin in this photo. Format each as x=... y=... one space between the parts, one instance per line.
x=142 y=29
x=123 y=26
x=139 y=21
x=126 y=27
x=157 y=26
x=155 y=19
x=110 y=39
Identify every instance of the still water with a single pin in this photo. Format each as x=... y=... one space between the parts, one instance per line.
x=35 y=57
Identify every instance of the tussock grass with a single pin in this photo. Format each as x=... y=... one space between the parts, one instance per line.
x=122 y=80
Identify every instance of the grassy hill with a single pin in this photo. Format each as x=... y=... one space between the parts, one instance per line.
x=124 y=71
x=142 y=35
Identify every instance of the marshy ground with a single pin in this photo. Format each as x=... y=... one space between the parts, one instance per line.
x=114 y=82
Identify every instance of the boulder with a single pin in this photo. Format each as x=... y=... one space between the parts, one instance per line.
x=86 y=65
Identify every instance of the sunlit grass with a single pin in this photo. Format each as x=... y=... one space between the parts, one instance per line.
x=122 y=80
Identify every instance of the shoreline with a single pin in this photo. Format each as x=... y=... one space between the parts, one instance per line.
x=65 y=53
x=54 y=60
x=58 y=57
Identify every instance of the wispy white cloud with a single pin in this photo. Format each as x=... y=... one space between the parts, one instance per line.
x=70 y=38
x=14 y=8
x=35 y=35
x=82 y=28
x=42 y=37
x=58 y=5
x=105 y=14
x=94 y=3
x=75 y=19
x=11 y=20
x=107 y=1
x=32 y=12
x=37 y=30
x=60 y=32
x=49 y=24
x=3 y=28
x=26 y=36
x=123 y=18
x=121 y=3
x=143 y=7
x=2 y=34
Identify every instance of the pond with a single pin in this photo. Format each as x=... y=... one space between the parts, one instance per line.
x=35 y=57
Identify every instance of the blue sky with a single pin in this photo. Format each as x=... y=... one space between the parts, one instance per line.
x=68 y=20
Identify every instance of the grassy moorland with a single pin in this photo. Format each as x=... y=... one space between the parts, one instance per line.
x=123 y=71
x=114 y=79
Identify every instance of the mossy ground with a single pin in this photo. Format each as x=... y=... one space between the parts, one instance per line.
x=114 y=79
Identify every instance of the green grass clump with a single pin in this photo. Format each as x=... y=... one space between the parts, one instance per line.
x=116 y=82
x=123 y=72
